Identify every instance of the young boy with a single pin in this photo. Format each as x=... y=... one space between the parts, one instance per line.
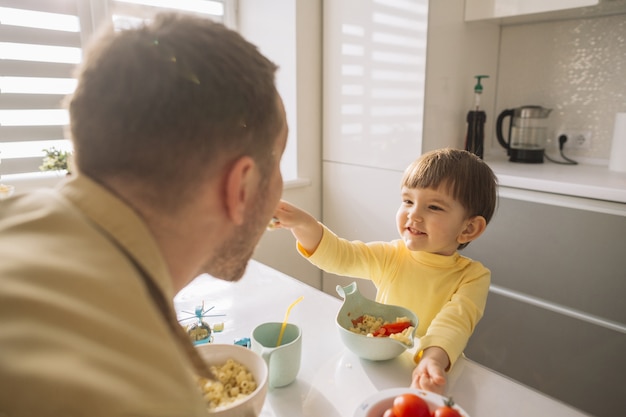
x=448 y=197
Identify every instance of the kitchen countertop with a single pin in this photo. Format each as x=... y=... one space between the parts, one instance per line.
x=582 y=180
x=332 y=381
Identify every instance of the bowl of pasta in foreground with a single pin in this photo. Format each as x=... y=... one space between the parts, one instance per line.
x=376 y=404
x=240 y=386
x=373 y=330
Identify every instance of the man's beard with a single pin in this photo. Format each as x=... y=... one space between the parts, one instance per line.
x=231 y=258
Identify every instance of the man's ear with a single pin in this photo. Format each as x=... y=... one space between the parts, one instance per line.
x=475 y=227
x=240 y=183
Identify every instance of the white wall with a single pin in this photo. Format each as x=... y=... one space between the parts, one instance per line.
x=290 y=33
x=457 y=51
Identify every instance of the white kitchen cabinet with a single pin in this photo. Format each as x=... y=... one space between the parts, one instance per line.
x=374 y=74
x=521 y=11
x=359 y=203
x=555 y=318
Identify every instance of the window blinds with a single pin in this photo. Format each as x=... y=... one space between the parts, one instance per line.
x=40 y=45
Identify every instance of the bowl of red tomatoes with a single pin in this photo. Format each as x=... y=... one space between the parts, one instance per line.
x=372 y=330
x=408 y=402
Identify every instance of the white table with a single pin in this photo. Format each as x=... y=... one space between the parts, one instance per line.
x=332 y=381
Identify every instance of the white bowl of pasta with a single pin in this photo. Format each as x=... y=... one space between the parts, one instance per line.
x=373 y=330
x=240 y=387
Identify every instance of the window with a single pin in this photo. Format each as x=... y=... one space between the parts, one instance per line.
x=40 y=44
x=126 y=13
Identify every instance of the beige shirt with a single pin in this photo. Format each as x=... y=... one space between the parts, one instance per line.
x=80 y=334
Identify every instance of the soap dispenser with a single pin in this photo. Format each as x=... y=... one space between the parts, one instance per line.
x=475 y=137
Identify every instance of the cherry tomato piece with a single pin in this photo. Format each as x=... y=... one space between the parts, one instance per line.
x=446 y=410
x=397 y=327
x=390 y=328
x=410 y=405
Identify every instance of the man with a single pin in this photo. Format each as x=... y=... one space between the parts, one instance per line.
x=178 y=131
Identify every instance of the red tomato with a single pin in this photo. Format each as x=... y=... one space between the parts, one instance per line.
x=410 y=405
x=389 y=413
x=357 y=321
x=391 y=328
x=397 y=327
x=447 y=410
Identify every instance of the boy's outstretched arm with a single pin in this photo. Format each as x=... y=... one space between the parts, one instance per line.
x=306 y=229
x=430 y=373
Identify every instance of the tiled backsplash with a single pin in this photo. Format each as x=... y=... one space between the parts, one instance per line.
x=576 y=67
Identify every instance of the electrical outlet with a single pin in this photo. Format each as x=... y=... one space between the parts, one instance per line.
x=576 y=139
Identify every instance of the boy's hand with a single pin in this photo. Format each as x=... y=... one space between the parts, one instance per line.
x=430 y=373
x=288 y=216
x=304 y=227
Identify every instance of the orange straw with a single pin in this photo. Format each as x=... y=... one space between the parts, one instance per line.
x=282 y=328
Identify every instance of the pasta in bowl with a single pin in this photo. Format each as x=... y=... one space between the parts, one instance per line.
x=240 y=386
x=373 y=330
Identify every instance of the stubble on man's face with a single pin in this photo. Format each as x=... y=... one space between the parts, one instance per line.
x=232 y=256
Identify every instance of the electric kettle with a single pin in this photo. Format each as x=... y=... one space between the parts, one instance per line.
x=527 y=134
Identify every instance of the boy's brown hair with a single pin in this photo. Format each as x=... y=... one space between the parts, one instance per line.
x=468 y=179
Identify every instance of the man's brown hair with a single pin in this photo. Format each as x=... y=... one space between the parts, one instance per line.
x=164 y=102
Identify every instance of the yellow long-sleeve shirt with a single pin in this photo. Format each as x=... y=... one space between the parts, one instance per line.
x=447 y=293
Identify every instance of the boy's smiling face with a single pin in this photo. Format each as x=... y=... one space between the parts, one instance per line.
x=430 y=220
